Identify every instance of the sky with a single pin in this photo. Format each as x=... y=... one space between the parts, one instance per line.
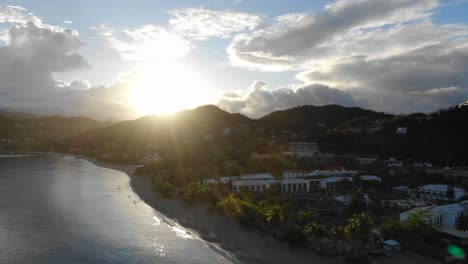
x=113 y=60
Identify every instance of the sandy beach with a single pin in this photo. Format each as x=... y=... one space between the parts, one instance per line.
x=224 y=235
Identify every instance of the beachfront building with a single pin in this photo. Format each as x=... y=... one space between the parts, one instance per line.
x=252 y=185
x=295 y=186
x=438 y=192
x=256 y=177
x=301 y=149
x=367 y=160
x=370 y=178
x=402 y=190
x=401 y=130
x=210 y=181
x=334 y=184
x=450 y=219
x=248 y=177
x=292 y=174
x=405 y=204
x=330 y=173
x=151 y=158
x=393 y=162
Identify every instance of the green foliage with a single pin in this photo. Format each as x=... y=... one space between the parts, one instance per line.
x=161 y=185
x=336 y=232
x=273 y=211
x=357 y=204
x=305 y=216
x=313 y=229
x=239 y=209
x=358 y=227
x=419 y=219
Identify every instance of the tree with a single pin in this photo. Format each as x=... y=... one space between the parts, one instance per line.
x=313 y=229
x=419 y=220
x=162 y=186
x=357 y=204
x=358 y=227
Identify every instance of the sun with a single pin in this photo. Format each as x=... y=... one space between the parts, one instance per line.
x=165 y=88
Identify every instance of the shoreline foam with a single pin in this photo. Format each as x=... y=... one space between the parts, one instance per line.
x=222 y=234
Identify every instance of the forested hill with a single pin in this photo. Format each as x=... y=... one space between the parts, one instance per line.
x=440 y=137
x=32 y=132
x=311 y=117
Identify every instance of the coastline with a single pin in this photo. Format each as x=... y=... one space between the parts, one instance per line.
x=224 y=235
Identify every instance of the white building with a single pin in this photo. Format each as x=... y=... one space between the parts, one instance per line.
x=248 y=177
x=253 y=185
x=446 y=219
x=329 y=173
x=291 y=174
x=366 y=160
x=370 y=178
x=439 y=192
x=229 y=179
x=210 y=181
x=256 y=176
x=401 y=130
x=301 y=149
x=393 y=162
x=295 y=185
x=333 y=183
x=151 y=158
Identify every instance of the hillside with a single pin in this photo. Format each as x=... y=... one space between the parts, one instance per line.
x=318 y=118
x=439 y=137
x=33 y=132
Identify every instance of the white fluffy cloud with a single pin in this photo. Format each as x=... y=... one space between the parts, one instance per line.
x=259 y=100
x=387 y=54
x=32 y=53
x=427 y=68
x=200 y=23
x=344 y=28
x=16 y=14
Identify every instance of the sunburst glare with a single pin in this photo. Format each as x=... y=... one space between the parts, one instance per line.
x=165 y=88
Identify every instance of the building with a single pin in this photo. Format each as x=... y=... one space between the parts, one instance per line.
x=256 y=176
x=229 y=179
x=301 y=149
x=401 y=130
x=291 y=174
x=403 y=190
x=294 y=185
x=334 y=184
x=248 y=177
x=253 y=185
x=370 y=178
x=210 y=181
x=393 y=162
x=227 y=131
x=330 y=173
x=438 y=192
x=404 y=204
x=366 y=160
x=450 y=219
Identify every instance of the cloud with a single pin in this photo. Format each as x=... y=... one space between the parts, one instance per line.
x=147 y=42
x=427 y=68
x=68 y=22
x=200 y=23
x=259 y=100
x=17 y=14
x=32 y=53
x=298 y=40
